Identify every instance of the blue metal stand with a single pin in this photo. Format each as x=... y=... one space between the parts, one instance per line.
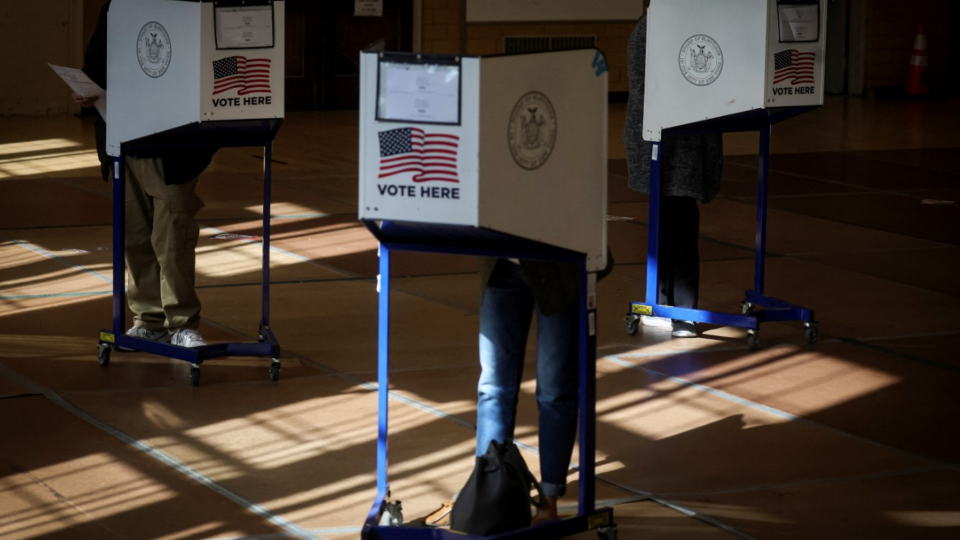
x=749 y=318
x=116 y=338
x=384 y=522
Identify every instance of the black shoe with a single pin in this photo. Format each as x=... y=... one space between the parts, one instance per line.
x=684 y=329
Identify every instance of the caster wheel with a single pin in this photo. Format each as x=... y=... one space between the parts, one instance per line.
x=275 y=370
x=753 y=340
x=103 y=355
x=812 y=333
x=392 y=515
x=195 y=375
x=607 y=533
x=632 y=324
x=746 y=308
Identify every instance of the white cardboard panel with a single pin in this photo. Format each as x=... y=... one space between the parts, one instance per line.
x=561 y=202
x=401 y=197
x=139 y=104
x=233 y=104
x=790 y=92
x=746 y=34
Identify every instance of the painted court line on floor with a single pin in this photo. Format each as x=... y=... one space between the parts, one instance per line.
x=781 y=414
x=804 y=483
x=61 y=260
x=295 y=530
x=683 y=510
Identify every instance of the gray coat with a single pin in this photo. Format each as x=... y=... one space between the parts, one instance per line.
x=693 y=164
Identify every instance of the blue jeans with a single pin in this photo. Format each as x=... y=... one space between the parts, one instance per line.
x=505 y=314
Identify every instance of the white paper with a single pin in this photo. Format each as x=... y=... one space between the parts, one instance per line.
x=368 y=8
x=799 y=23
x=78 y=81
x=420 y=93
x=245 y=27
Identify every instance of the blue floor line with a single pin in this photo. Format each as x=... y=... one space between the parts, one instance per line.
x=61 y=260
x=290 y=254
x=55 y=295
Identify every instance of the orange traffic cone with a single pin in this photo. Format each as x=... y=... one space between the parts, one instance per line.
x=917 y=84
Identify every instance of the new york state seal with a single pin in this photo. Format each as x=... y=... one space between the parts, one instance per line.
x=701 y=60
x=532 y=133
x=153 y=49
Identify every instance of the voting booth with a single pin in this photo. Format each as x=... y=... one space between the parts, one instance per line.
x=481 y=142
x=720 y=66
x=187 y=75
x=174 y=66
x=502 y=156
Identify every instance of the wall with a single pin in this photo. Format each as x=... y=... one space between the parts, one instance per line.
x=32 y=34
x=891 y=28
x=441 y=34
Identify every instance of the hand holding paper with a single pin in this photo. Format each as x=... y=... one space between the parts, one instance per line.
x=89 y=91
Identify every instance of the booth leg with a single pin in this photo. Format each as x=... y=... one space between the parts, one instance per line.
x=588 y=389
x=266 y=334
x=637 y=309
x=119 y=248
x=764 y=171
x=653 y=242
x=267 y=179
x=383 y=368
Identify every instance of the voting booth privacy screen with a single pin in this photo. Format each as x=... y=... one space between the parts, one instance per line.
x=172 y=63
x=708 y=59
x=513 y=144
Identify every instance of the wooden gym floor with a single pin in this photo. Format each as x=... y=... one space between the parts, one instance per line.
x=854 y=437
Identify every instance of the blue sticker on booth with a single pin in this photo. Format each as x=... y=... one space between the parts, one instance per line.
x=600 y=63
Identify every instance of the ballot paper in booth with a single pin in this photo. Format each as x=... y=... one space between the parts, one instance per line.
x=78 y=81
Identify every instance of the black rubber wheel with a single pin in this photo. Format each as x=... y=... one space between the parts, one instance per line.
x=608 y=532
x=195 y=376
x=275 y=371
x=812 y=333
x=632 y=325
x=753 y=340
x=103 y=355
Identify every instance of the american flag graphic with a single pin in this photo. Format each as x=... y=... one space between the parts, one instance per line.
x=794 y=67
x=245 y=75
x=431 y=156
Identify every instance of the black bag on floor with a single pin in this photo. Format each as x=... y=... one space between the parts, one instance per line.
x=496 y=498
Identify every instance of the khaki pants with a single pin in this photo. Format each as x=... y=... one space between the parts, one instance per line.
x=161 y=242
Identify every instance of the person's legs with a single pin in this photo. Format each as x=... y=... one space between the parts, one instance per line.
x=558 y=355
x=686 y=255
x=667 y=250
x=143 y=270
x=174 y=237
x=684 y=224
x=505 y=314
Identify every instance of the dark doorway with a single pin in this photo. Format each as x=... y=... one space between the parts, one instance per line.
x=324 y=41
x=838 y=13
x=954 y=53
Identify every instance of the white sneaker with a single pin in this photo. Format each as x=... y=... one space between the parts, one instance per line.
x=684 y=329
x=187 y=337
x=140 y=332
x=656 y=322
